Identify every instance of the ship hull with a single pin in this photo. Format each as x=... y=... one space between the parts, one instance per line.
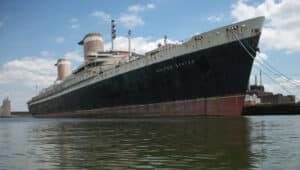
x=212 y=81
x=214 y=106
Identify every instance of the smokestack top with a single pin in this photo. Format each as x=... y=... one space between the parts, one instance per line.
x=89 y=35
x=92 y=44
x=62 y=61
x=63 y=68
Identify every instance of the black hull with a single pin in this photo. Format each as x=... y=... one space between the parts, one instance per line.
x=215 y=72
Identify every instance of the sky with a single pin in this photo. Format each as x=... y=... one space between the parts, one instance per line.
x=35 y=33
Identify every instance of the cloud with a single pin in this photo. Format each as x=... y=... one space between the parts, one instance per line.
x=150 y=6
x=74 y=20
x=74 y=23
x=136 y=8
x=74 y=57
x=29 y=71
x=282 y=27
x=60 y=40
x=47 y=54
x=138 y=44
x=288 y=83
x=283 y=86
x=140 y=8
x=19 y=78
x=215 y=18
x=260 y=58
x=75 y=26
x=130 y=20
x=102 y=15
x=44 y=53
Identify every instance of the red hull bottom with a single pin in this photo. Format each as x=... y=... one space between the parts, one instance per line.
x=214 y=106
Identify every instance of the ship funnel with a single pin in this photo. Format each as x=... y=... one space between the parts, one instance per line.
x=92 y=44
x=63 y=68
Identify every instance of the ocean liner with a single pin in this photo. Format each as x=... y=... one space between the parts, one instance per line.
x=206 y=75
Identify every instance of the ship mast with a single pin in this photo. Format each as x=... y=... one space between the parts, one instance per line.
x=113 y=34
x=129 y=44
x=165 y=40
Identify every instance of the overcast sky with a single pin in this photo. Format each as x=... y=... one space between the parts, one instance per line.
x=35 y=33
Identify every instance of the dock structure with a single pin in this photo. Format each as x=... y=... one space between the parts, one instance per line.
x=5 y=109
x=272 y=109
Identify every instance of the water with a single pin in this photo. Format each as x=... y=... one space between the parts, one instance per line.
x=266 y=142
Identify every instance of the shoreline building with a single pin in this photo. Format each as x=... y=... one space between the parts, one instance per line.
x=258 y=90
x=5 y=109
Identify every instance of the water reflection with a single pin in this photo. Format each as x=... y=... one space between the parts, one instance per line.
x=215 y=142
x=275 y=142
x=270 y=142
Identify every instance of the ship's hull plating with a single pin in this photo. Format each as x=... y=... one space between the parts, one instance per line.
x=208 y=82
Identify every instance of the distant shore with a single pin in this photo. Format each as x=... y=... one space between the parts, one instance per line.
x=21 y=114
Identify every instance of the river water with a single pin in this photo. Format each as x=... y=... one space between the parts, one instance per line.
x=259 y=142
